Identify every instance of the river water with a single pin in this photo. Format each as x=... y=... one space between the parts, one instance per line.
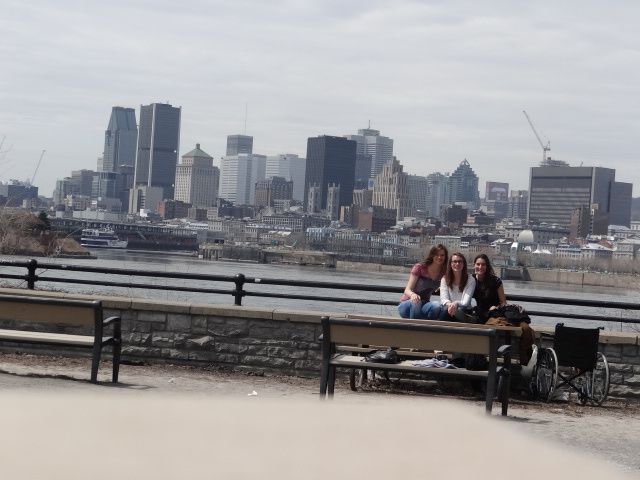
x=168 y=262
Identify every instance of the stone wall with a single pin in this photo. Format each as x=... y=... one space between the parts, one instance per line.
x=272 y=340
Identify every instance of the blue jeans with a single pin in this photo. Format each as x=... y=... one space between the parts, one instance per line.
x=421 y=310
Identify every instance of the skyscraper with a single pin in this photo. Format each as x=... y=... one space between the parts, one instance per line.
x=158 y=145
x=197 y=179
x=239 y=144
x=390 y=190
x=330 y=160
x=119 y=140
x=238 y=177
x=377 y=147
x=291 y=168
x=555 y=192
x=463 y=185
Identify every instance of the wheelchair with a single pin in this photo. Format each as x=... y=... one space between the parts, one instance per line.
x=573 y=361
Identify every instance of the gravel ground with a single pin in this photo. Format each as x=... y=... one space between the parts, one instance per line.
x=611 y=432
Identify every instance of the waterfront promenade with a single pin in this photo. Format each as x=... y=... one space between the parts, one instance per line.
x=174 y=418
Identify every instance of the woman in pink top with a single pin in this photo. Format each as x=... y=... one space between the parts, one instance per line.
x=423 y=280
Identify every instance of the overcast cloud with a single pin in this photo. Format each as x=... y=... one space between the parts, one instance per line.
x=447 y=80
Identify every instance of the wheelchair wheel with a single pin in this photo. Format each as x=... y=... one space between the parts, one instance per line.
x=546 y=374
x=596 y=387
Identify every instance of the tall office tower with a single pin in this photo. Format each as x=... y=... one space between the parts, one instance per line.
x=290 y=167
x=518 y=204
x=120 y=140
x=197 y=179
x=555 y=192
x=390 y=190
x=158 y=145
x=363 y=171
x=239 y=144
x=463 y=185
x=418 y=191
x=438 y=194
x=330 y=160
x=333 y=202
x=496 y=191
x=273 y=190
x=371 y=143
x=83 y=179
x=620 y=205
x=238 y=176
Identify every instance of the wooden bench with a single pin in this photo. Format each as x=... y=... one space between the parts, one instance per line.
x=340 y=332
x=21 y=310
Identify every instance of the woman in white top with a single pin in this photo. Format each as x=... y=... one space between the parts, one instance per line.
x=456 y=289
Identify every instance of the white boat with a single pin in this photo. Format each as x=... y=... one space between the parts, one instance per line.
x=101 y=238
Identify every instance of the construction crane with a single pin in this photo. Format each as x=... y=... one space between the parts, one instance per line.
x=37 y=167
x=545 y=148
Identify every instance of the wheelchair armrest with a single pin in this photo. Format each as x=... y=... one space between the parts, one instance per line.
x=504 y=350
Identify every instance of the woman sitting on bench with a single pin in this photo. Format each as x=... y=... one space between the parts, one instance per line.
x=423 y=280
x=456 y=290
x=491 y=302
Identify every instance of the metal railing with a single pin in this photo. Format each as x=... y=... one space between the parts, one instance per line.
x=240 y=281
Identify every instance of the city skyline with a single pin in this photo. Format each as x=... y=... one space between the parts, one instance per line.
x=445 y=82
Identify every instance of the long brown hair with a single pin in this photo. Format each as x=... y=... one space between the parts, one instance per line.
x=428 y=260
x=450 y=277
x=489 y=271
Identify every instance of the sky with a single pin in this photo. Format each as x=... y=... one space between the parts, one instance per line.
x=447 y=80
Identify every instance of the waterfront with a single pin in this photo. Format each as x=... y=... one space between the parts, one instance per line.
x=162 y=261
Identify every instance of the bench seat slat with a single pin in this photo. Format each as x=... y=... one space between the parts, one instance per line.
x=351 y=361
x=54 y=338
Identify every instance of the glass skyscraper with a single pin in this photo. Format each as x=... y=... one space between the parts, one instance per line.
x=158 y=145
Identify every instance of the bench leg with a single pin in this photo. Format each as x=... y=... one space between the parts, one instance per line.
x=324 y=377
x=95 y=363
x=331 y=379
x=491 y=391
x=117 y=348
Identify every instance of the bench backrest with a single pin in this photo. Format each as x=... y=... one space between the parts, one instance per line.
x=410 y=335
x=50 y=310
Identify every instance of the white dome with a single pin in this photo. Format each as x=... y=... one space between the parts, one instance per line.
x=526 y=236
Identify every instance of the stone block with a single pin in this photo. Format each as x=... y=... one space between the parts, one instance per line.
x=307 y=365
x=174 y=353
x=154 y=317
x=136 y=338
x=142 y=327
x=271 y=362
x=297 y=354
x=178 y=322
x=315 y=355
x=132 y=350
x=304 y=333
x=624 y=391
x=200 y=342
x=162 y=340
x=278 y=352
x=632 y=381
x=227 y=348
x=631 y=351
x=616 y=378
x=199 y=324
x=227 y=331
x=226 y=358
x=621 y=367
x=254 y=350
x=268 y=332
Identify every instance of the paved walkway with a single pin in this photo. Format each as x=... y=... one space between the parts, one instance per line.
x=610 y=433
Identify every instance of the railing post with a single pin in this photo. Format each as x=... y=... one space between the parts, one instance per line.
x=31 y=276
x=239 y=292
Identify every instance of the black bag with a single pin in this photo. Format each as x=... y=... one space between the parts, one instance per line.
x=512 y=312
x=383 y=356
